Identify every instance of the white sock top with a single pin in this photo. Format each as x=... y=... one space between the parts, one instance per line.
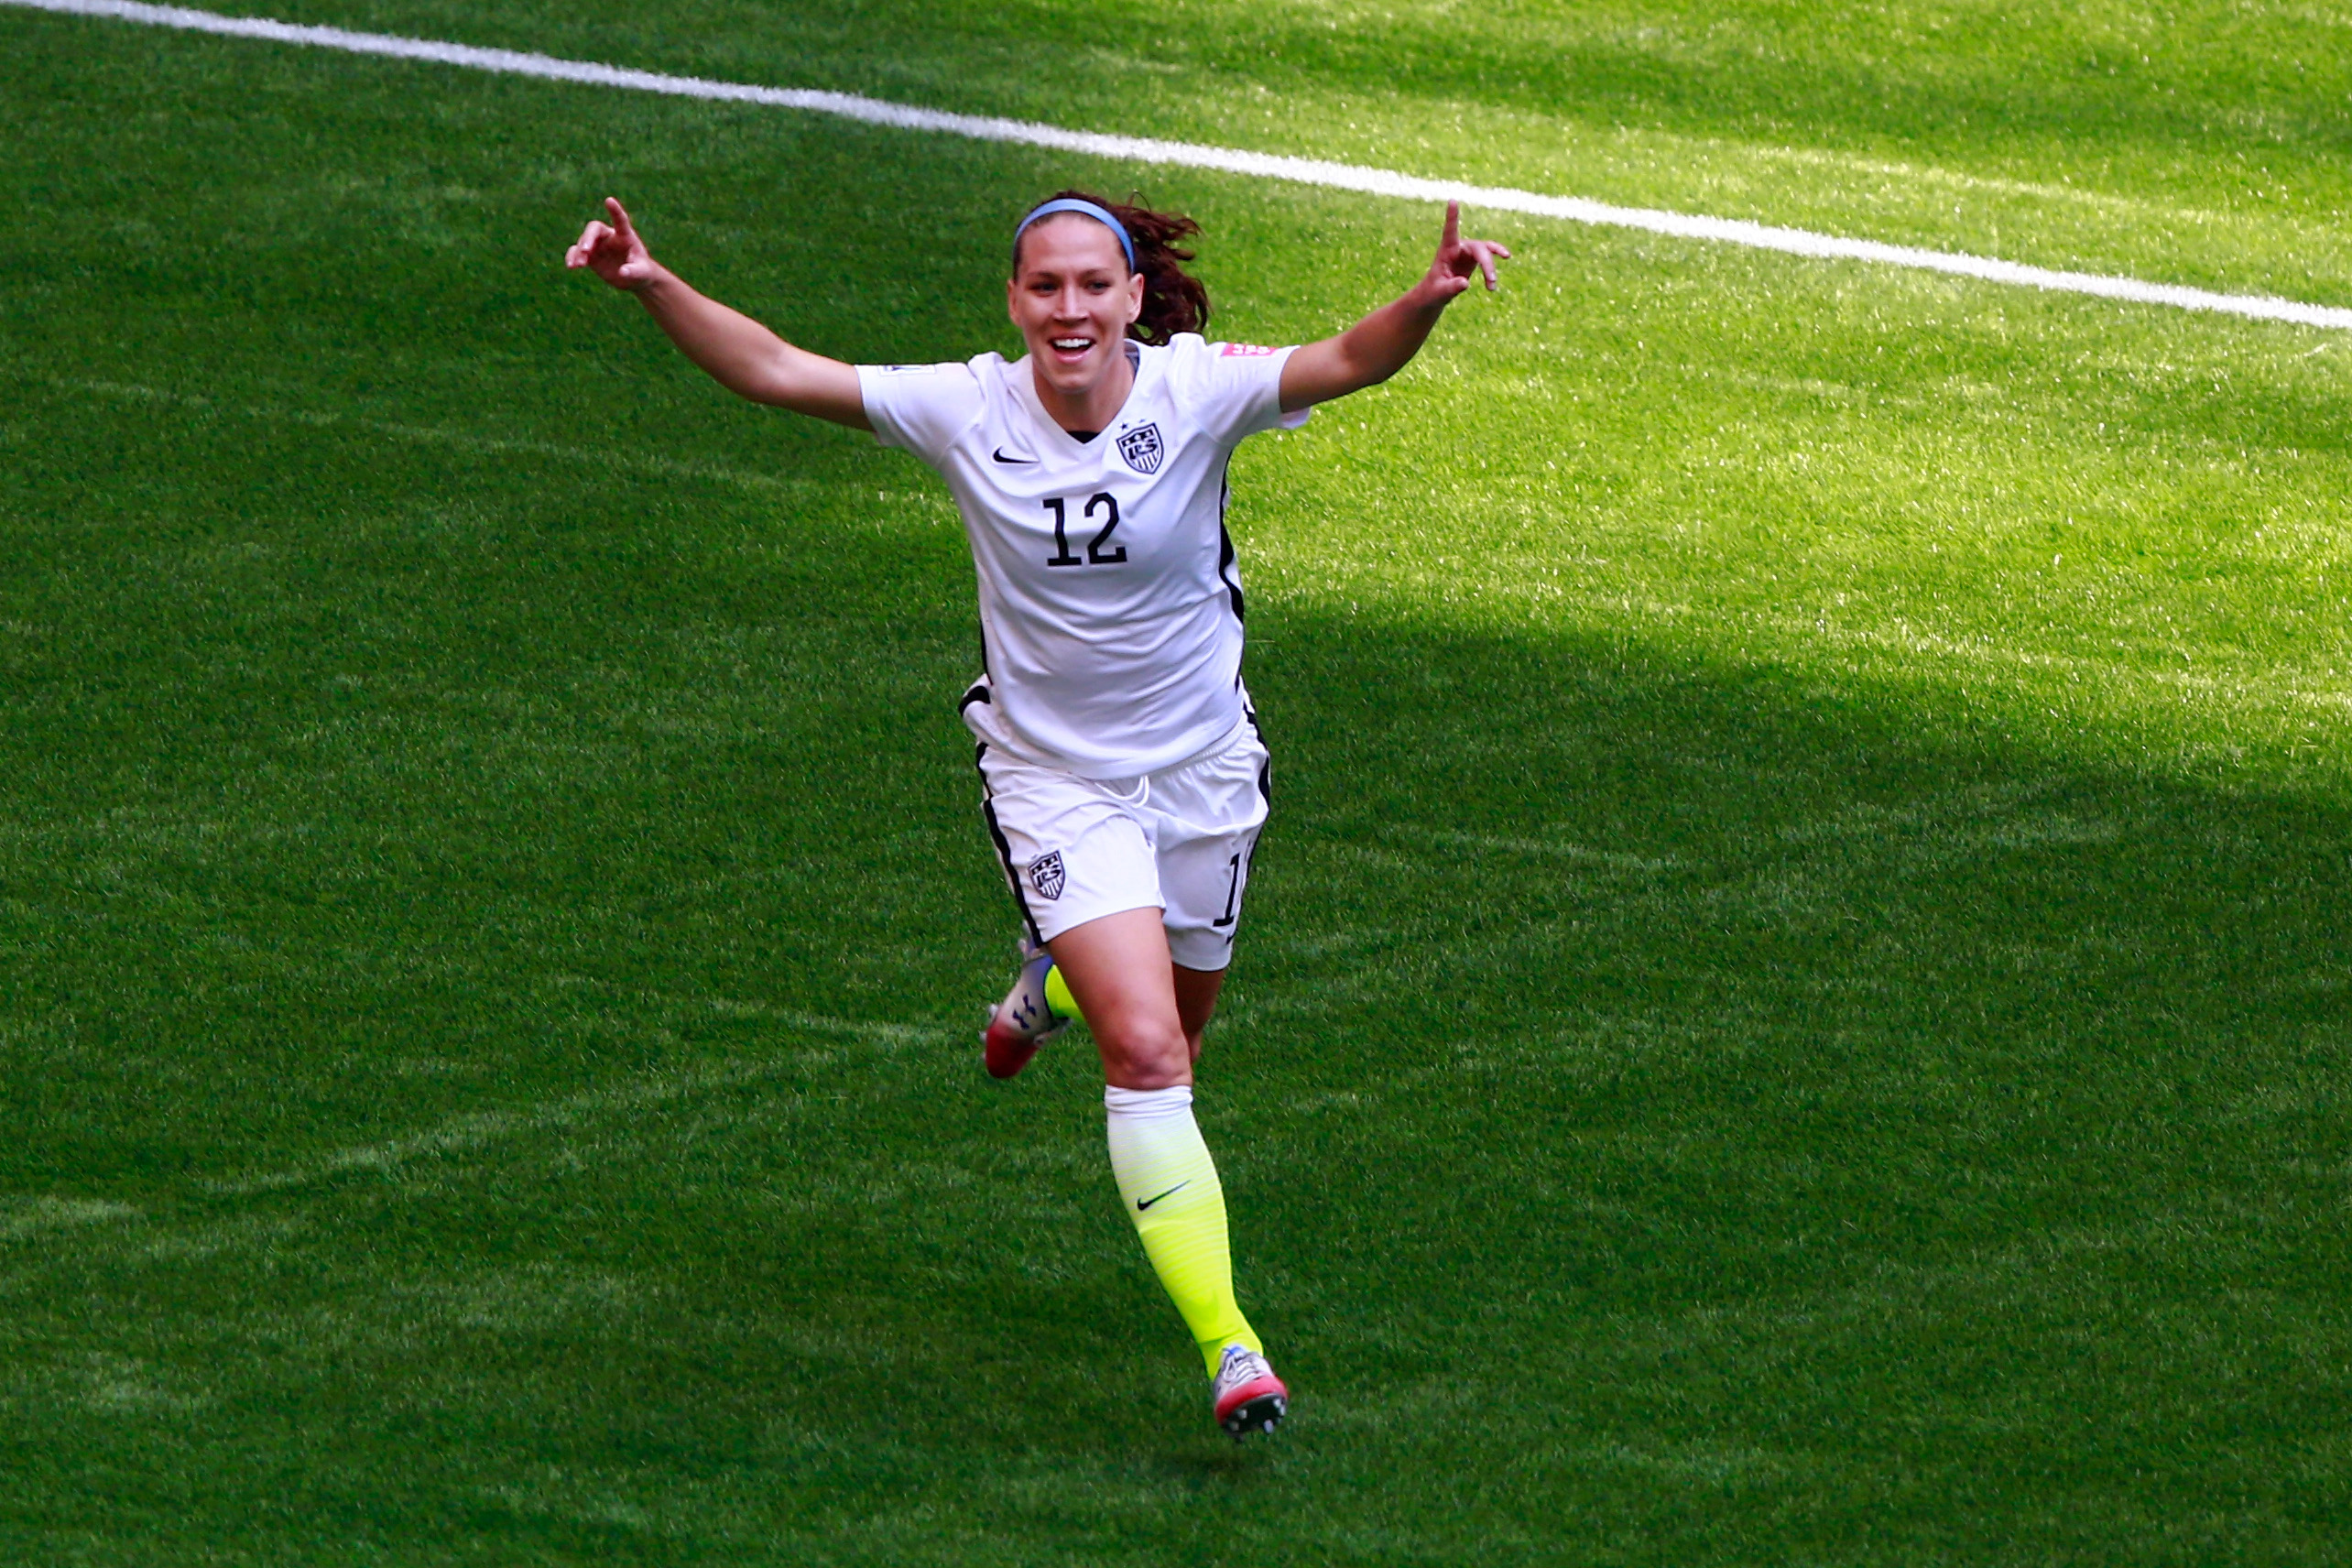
x=1176 y=1100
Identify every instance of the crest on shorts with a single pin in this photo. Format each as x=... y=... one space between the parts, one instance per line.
x=1046 y=876
x=1142 y=449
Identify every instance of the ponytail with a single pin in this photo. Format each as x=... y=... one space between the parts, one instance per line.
x=1173 y=300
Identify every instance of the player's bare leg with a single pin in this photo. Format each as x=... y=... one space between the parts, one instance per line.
x=1118 y=969
x=1196 y=999
x=1147 y=1016
x=1040 y=1005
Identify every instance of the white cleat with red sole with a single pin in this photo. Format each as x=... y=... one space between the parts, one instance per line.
x=1249 y=1397
x=1024 y=1019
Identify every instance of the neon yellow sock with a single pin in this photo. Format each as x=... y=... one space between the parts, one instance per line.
x=1058 y=997
x=1170 y=1188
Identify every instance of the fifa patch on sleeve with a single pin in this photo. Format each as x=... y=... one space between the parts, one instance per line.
x=1244 y=351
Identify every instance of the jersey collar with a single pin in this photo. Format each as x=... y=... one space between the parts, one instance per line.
x=1024 y=375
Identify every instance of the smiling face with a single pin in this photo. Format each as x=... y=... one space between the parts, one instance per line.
x=1073 y=298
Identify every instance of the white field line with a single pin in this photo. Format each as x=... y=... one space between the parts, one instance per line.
x=473 y=1130
x=22 y=1218
x=1229 y=160
x=28 y=1216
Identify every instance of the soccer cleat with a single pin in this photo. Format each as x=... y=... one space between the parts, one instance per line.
x=1024 y=1019
x=1249 y=1397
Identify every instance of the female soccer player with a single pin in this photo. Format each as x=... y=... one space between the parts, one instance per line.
x=1123 y=778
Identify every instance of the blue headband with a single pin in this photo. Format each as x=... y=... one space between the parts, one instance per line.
x=1072 y=205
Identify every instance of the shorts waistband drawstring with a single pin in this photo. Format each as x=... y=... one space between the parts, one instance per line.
x=1140 y=798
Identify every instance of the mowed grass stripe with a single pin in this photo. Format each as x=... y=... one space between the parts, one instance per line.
x=1228 y=160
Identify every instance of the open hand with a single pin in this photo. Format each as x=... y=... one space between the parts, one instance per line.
x=614 y=253
x=1458 y=259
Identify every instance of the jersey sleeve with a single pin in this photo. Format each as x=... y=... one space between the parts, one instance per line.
x=922 y=407
x=1235 y=389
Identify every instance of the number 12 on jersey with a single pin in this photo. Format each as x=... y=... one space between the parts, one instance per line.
x=1097 y=555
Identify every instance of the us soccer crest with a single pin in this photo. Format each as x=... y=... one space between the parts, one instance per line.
x=1142 y=449
x=1046 y=876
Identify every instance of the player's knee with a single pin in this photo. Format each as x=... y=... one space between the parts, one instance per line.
x=1149 y=1052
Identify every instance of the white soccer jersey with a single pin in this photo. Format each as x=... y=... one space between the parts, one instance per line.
x=1110 y=603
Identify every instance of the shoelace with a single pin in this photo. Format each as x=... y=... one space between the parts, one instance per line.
x=1241 y=1363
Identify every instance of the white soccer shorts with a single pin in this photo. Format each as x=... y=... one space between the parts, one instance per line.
x=1077 y=849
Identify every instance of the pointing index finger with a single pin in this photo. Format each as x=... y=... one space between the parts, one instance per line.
x=1453 y=235
x=620 y=218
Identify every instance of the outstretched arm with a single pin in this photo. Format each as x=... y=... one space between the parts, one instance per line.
x=1380 y=344
x=740 y=355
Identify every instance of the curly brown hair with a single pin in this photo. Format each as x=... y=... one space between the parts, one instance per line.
x=1173 y=300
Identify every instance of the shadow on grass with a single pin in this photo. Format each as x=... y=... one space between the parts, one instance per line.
x=1660 y=1104
x=1745 y=938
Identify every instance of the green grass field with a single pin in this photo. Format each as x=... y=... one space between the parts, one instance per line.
x=1795 y=1008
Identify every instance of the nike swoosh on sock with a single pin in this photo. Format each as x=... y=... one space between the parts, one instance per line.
x=1141 y=1203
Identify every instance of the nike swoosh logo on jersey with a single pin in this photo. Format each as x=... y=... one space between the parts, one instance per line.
x=999 y=455
x=1142 y=1203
